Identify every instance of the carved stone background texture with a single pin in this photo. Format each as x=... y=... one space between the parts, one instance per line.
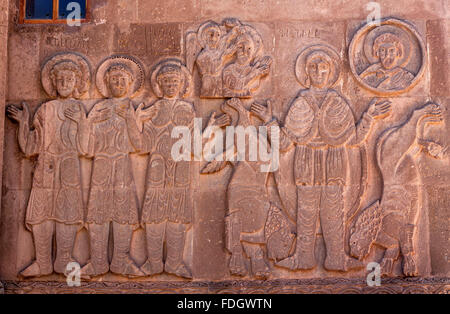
x=363 y=176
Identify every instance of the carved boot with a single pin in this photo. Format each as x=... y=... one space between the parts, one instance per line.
x=233 y=244
x=43 y=236
x=175 y=236
x=407 y=247
x=260 y=268
x=65 y=239
x=155 y=245
x=307 y=215
x=122 y=263
x=98 y=265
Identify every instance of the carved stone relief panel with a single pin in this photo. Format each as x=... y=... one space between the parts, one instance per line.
x=141 y=210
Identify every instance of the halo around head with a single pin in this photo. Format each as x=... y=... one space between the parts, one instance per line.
x=77 y=61
x=390 y=32
x=174 y=63
x=127 y=62
x=330 y=54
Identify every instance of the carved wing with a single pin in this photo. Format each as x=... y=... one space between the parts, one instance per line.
x=193 y=48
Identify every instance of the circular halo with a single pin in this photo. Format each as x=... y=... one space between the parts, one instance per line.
x=406 y=28
x=187 y=78
x=131 y=63
x=300 y=71
x=203 y=28
x=57 y=58
x=377 y=31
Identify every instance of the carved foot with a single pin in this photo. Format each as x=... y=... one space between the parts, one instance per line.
x=60 y=266
x=260 y=268
x=409 y=266
x=126 y=267
x=89 y=270
x=34 y=270
x=294 y=262
x=352 y=263
x=386 y=266
x=181 y=270
x=152 y=268
x=237 y=265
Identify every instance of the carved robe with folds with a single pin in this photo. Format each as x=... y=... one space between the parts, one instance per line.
x=112 y=196
x=323 y=131
x=56 y=192
x=168 y=181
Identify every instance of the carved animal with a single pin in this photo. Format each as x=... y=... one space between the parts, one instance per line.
x=390 y=223
x=252 y=221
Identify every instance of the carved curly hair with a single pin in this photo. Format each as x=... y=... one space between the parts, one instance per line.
x=67 y=66
x=119 y=67
x=387 y=38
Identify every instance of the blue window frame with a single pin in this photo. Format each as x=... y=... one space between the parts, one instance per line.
x=51 y=11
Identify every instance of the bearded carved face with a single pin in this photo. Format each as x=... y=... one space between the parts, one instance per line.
x=244 y=51
x=389 y=55
x=65 y=82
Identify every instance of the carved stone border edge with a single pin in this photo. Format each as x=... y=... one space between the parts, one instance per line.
x=432 y=285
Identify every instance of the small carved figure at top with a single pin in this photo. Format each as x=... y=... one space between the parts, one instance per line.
x=387 y=59
x=213 y=41
x=228 y=57
x=55 y=205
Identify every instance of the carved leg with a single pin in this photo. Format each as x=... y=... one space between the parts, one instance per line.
x=332 y=222
x=155 y=244
x=176 y=234
x=308 y=208
x=407 y=248
x=391 y=253
x=65 y=239
x=234 y=245
x=43 y=236
x=98 y=265
x=122 y=263
x=260 y=268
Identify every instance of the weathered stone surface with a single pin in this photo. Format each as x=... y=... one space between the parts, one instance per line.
x=356 y=170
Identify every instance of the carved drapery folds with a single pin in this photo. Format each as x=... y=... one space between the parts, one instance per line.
x=320 y=184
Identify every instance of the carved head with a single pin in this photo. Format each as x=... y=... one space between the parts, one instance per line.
x=118 y=79
x=359 y=245
x=388 y=49
x=211 y=35
x=170 y=80
x=318 y=68
x=245 y=49
x=66 y=79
